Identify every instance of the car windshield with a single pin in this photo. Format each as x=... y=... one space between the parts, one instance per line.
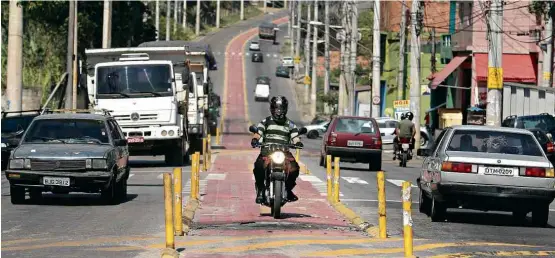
x=546 y=123
x=287 y=58
x=353 y=125
x=494 y=142
x=381 y=125
x=16 y=123
x=254 y=43
x=67 y=131
x=136 y=80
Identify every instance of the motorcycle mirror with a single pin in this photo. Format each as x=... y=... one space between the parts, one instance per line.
x=253 y=129
x=302 y=131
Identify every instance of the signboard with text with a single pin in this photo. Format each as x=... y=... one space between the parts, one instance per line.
x=400 y=107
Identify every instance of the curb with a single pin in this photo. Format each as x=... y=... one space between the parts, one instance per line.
x=169 y=253
x=189 y=214
x=355 y=219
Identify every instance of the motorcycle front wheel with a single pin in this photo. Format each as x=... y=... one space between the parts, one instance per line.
x=276 y=206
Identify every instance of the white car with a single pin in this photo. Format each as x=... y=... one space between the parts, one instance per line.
x=387 y=127
x=287 y=61
x=254 y=46
x=262 y=92
x=315 y=130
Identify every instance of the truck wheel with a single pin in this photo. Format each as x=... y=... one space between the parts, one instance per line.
x=17 y=194
x=175 y=157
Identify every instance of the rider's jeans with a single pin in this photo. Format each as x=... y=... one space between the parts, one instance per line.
x=259 y=170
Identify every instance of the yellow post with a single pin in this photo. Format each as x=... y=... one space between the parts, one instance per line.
x=209 y=151
x=218 y=136
x=407 y=218
x=336 y=180
x=298 y=155
x=329 y=174
x=178 y=204
x=170 y=243
x=194 y=171
x=204 y=155
x=381 y=205
x=197 y=176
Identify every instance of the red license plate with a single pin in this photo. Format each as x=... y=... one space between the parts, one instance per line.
x=135 y=140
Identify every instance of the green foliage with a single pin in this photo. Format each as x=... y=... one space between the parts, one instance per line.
x=366 y=22
x=542 y=8
x=330 y=99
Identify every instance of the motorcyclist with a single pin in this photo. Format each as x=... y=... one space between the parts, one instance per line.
x=396 y=140
x=276 y=128
x=405 y=129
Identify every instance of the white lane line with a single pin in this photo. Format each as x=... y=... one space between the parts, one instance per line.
x=354 y=180
x=131 y=175
x=215 y=177
x=399 y=182
x=309 y=178
x=160 y=176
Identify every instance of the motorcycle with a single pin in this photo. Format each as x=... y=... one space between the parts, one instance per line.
x=404 y=153
x=276 y=174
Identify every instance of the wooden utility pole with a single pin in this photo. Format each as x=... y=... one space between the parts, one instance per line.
x=415 y=69
x=376 y=60
x=495 y=67
x=402 y=53
x=14 y=90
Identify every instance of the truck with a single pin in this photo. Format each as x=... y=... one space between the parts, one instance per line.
x=156 y=94
x=267 y=30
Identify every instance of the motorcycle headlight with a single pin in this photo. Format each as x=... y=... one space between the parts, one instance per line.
x=278 y=157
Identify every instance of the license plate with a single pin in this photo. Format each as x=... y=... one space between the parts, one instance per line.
x=405 y=146
x=60 y=181
x=354 y=143
x=135 y=140
x=497 y=171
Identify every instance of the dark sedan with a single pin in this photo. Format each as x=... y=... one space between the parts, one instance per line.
x=546 y=143
x=14 y=125
x=257 y=58
x=282 y=71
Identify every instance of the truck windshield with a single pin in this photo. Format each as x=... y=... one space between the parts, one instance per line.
x=134 y=81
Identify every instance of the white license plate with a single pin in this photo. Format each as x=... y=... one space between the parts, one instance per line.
x=61 y=181
x=497 y=171
x=354 y=143
x=405 y=146
x=135 y=140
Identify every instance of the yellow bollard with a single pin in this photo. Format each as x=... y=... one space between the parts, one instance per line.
x=218 y=136
x=204 y=156
x=336 y=180
x=178 y=204
x=297 y=155
x=407 y=218
x=170 y=243
x=329 y=181
x=381 y=205
x=194 y=172
x=209 y=151
x=197 y=176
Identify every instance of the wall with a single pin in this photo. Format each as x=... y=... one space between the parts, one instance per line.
x=436 y=15
x=32 y=98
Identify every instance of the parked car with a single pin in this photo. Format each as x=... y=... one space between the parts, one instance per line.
x=546 y=142
x=543 y=121
x=65 y=152
x=257 y=58
x=14 y=125
x=314 y=131
x=254 y=46
x=387 y=128
x=282 y=72
x=262 y=90
x=486 y=168
x=287 y=61
x=354 y=139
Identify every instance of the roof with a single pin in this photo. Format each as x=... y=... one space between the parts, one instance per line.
x=267 y=24
x=490 y=128
x=516 y=68
x=356 y=117
x=72 y=116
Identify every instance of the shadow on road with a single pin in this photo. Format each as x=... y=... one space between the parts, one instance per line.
x=76 y=199
x=487 y=218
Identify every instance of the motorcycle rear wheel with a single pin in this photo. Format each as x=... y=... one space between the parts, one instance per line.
x=404 y=159
x=278 y=195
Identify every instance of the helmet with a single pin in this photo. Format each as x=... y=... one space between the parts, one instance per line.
x=403 y=116
x=409 y=115
x=278 y=107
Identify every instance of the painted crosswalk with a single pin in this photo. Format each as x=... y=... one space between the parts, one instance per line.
x=320 y=185
x=399 y=183
x=354 y=180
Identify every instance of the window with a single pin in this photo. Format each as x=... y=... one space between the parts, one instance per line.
x=494 y=142
x=67 y=131
x=16 y=123
x=544 y=122
x=353 y=125
x=134 y=79
x=114 y=130
x=392 y=124
x=446 y=40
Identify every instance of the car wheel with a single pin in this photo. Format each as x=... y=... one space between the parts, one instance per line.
x=540 y=215
x=108 y=194
x=121 y=190
x=423 y=140
x=312 y=134
x=17 y=194
x=376 y=163
x=437 y=211
x=424 y=203
x=35 y=195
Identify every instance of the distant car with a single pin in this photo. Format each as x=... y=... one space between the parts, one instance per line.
x=14 y=125
x=65 y=153
x=543 y=121
x=257 y=58
x=546 y=142
x=287 y=61
x=387 y=128
x=353 y=139
x=282 y=72
x=314 y=131
x=262 y=90
x=254 y=46
x=486 y=168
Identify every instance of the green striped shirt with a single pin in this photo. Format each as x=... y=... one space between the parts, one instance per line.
x=272 y=132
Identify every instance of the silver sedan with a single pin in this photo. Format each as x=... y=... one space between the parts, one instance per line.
x=486 y=168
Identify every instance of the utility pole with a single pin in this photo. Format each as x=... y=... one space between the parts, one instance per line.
x=298 y=43
x=306 y=54
x=495 y=67
x=291 y=32
x=14 y=73
x=69 y=56
x=218 y=14
x=264 y=1
x=184 y=21
x=326 y=52
x=314 y=63
x=402 y=53
x=415 y=69
x=175 y=10
x=75 y=75
x=345 y=55
x=107 y=24
x=158 y=20
x=168 y=15
x=353 y=51
x=342 y=78
x=197 y=24
x=376 y=60
x=242 y=10
x=433 y=60
x=548 y=54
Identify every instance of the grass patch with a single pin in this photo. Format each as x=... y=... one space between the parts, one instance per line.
x=249 y=12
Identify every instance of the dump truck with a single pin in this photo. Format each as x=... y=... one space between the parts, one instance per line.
x=268 y=30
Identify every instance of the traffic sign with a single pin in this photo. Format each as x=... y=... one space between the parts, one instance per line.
x=307 y=80
x=376 y=100
x=297 y=60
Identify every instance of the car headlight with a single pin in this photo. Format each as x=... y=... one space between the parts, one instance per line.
x=20 y=163
x=4 y=145
x=96 y=164
x=278 y=157
x=170 y=133
x=164 y=133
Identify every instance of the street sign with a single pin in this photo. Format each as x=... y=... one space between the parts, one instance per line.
x=297 y=60
x=307 y=80
x=376 y=100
